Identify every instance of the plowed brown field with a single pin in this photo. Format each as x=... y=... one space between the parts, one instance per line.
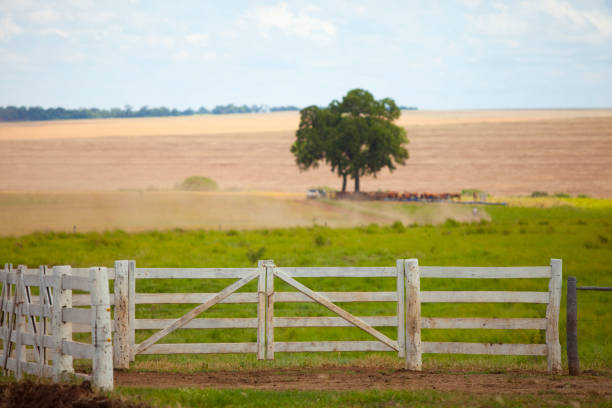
x=502 y=152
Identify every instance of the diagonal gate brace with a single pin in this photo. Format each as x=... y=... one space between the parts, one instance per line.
x=195 y=312
x=339 y=311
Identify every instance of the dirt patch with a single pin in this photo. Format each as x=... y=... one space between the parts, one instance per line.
x=29 y=394
x=359 y=378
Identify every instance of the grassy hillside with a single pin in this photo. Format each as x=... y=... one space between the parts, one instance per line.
x=581 y=236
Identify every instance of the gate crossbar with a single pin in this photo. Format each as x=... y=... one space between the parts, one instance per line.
x=195 y=312
x=336 y=309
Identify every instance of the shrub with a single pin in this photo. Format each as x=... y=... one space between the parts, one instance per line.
x=320 y=240
x=562 y=195
x=539 y=194
x=255 y=255
x=198 y=183
x=470 y=191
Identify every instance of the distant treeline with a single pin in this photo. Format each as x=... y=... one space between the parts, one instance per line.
x=21 y=113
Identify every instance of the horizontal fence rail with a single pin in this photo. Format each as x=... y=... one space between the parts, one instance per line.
x=407 y=319
x=36 y=330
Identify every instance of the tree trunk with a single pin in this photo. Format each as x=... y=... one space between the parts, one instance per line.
x=344 y=183
x=356 y=182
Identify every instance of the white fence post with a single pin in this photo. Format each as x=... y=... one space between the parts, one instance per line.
x=552 y=318
x=261 y=311
x=101 y=335
x=132 y=307
x=270 y=310
x=20 y=324
x=62 y=331
x=121 y=341
x=413 y=316
x=401 y=309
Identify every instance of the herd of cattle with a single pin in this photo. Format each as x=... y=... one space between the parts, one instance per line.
x=396 y=196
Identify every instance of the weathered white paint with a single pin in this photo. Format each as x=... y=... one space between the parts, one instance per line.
x=131 y=307
x=482 y=296
x=340 y=272
x=62 y=298
x=413 y=316
x=101 y=334
x=121 y=340
x=270 y=299
x=79 y=316
x=552 y=314
x=200 y=348
x=193 y=273
x=315 y=346
x=261 y=311
x=484 y=348
x=209 y=323
x=78 y=350
x=485 y=272
x=483 y=323
x=20 y=322
x=320 y=321
x=401 y=308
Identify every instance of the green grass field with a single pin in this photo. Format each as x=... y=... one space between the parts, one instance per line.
x=580 y=234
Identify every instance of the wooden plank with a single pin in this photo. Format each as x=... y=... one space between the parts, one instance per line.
x=413 y=316
x=324 y=321
x=195 y=312
x=270 y=299
x=319 y=346
x=200 y=348
x=78 y=350
x=344 y=297
x=212 y=323
x=30 y=368
x=84 y=272
x=261 y=311
x=29 y=309
x=340 y=272
x=42 y=300
x=74 y=315
x=571 y=327
x=339 y=311
x=121 y=341
x=484 y=348
x=483 y=323
x=195 y=298
x=7 y=343
x=101 y=332
x=526 y=272
x=75 y=283
x=193 y=273
x=62 y=331
x=483 y=296
x=20 y=323
x=27 y=293
x=552 y=316
x=401 y=308
x=131 y=306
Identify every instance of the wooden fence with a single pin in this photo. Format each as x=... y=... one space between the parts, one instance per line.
x=36 y=329
x=57 y=305
x=407 y=296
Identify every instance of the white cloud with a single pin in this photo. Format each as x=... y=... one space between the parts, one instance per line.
x=55 y=32
x=44 y=16
x=8 y=28
x=597 y=19
x=197 y=40
x=300 y=24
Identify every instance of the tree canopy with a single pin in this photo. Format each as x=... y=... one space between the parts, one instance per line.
x=356 y=137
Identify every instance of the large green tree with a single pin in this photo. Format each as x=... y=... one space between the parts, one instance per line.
x=356 y=137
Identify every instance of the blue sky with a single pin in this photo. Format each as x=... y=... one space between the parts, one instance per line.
x=431 y=54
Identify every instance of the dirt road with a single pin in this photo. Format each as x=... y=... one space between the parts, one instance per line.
x=359 y=378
